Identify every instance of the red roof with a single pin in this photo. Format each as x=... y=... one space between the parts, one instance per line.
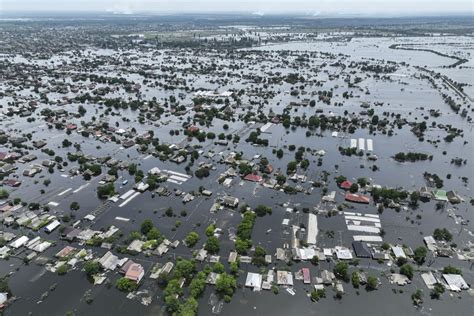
x=358 y=198
x=193 y=129
x=269 y=168
x=11 y=182
x=135 y=272
x=306 y=276
x=71 y=126
x=253 y=177
x=346 y=185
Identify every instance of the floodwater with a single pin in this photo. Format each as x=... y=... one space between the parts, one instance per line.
x=406 y=95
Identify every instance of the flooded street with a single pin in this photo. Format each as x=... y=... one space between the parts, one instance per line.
x=120 y=137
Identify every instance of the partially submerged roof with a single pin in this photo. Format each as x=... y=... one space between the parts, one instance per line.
x=361 y=250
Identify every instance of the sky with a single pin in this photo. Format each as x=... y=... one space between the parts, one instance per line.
x=310 y=7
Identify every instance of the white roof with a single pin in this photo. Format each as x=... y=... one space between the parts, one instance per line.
x=312 y=229
x=19 y=242
x=109 y=261
x=455 y=282
x=3 y=297
x=52 y=226
x=429 y=240
x=327 y=252
x=367 y=238
x=429 y=279
x=398 y=252
x=89 y=217
x=42 y=246
x=154 y=170
x=343 y=253
x=253 y=280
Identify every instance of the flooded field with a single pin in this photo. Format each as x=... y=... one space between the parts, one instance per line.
x=152 y=153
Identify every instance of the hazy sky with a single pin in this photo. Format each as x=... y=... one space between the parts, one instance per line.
x=365 y=7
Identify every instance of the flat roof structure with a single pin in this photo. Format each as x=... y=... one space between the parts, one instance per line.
x=312 y=229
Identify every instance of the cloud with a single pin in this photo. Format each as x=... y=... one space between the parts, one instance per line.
x=369 y=7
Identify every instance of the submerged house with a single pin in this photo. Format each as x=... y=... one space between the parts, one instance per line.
x=135 y=272
x=357 y=198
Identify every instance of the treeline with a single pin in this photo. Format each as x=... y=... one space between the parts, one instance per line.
x=244 y=232
x=411 y=156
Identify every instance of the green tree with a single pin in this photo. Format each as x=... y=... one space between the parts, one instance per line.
x=316 y=295
x=172 y=303
x=414 y=198
x=420 y=255
x=146 y=226
x=212 y=245
x=63 y=269
x=241 y=246
x=417 y=297
x=234 y=267
x=437 y=290
x=126 y=285
x=355 y=279
x=197 y=285
x=210 y=230
x=4 y=194
x=189 y=307
x=442 y=234
x=153 y=234
x=262 y=210
x=407 y=270
x=226 y=284
x=191 y=239
x=451 y=270
x=354 y=188
x=184 y=268
x=92 y=267
x=340 y=270
x=74 y=206
x=218 y=268
x=372 y=283
x=106 y=190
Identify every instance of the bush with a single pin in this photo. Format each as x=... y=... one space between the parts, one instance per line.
x=92 y=267
x=74 y=206
x=126 y=285
x=262 y=210
x=340 y=270
x=4 y=194
x=407 y=270
x=63 y=269
x=146 y=226
x=212 y=245
x=442 y=234
x=191 y=239
x=105 y=191
x=420 y=255
x=372 y=283
x=226 y=284
x=316 y=295
x=417 y=297
x=210 y=230
x=451 y=270
x=437 y=291
x=355 y=279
